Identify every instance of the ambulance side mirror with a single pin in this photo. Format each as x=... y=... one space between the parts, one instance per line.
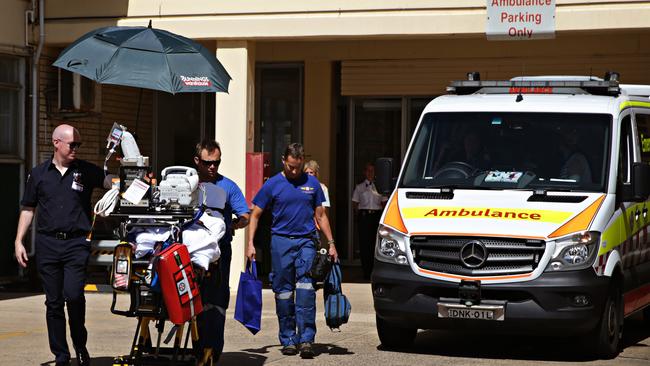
x=384 y=179
x=641 y=181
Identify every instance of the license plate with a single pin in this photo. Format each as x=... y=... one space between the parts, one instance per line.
x=479 y=312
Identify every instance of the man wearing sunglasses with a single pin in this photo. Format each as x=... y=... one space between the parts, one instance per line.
x=60 y=190
x=215 y=289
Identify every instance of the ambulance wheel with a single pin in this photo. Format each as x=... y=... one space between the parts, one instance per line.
x=392 y=336
x=610 y=329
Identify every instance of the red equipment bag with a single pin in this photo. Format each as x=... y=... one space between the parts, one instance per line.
x=179 y=288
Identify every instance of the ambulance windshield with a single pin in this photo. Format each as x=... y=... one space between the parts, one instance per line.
x=485 y=150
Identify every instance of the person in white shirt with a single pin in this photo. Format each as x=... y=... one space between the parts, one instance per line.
x=367 y=204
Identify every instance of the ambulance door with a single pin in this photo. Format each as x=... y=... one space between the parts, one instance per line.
x=640 y=251
x=628 y=209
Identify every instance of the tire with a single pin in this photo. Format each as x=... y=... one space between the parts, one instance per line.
x=392 y=336
x=609 y=331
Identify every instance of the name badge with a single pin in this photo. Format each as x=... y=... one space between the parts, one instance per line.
x=76 y=182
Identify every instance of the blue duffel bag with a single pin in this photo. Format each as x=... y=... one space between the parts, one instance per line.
x=337 y=305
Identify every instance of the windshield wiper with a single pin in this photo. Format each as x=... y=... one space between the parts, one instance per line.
x=451 y=187
x=443 y=187
x=540 y=195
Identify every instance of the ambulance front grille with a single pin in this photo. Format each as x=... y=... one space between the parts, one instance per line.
x=505 y=256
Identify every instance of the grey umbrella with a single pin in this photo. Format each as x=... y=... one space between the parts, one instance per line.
x=145 y=57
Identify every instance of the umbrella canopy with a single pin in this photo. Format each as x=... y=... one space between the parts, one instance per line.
x=145 y=57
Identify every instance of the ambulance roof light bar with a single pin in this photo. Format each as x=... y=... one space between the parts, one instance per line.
x=609 y=86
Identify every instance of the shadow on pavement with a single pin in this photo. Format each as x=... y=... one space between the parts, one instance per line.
x=319 y=349
x=262 y=350
x=241 y=358
x=16 y=295
x=96 y=361
x=530 y=348
x=330 y=349
x=636 y=331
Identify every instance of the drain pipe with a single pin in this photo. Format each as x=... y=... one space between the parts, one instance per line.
x=35 y=99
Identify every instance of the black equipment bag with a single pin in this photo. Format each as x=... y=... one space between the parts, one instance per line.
x=320 y=266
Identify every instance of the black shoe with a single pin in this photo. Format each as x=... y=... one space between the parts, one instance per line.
x=306 y=351
x=289 y=350
x=62 y=363
x=83 y=358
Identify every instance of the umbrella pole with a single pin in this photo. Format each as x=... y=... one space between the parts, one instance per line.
x=137 y=115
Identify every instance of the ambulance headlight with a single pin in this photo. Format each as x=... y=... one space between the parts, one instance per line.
x=391 y=246
x=574 y=252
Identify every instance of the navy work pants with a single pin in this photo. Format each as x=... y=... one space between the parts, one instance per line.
x=62 y=266
x=215 y=296
x=291 y=260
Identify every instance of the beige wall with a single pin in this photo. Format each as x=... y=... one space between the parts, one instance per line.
x=258 y=19
x=317 y=117
x=587 y=44
x=12 y=24
x=425 y=66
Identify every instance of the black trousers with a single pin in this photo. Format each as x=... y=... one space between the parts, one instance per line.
x=368 y=223
x=215 y=291
x=62 y=266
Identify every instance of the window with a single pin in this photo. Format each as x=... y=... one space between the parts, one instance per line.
x=76 y=93
x=279 y=109
x=12 y=135
x=643 y=130
x=468 y=150
x=625 y=152
x=11 y=107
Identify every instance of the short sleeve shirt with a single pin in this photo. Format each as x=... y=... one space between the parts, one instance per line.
x=366 y=195
x=62 y=201
x=292 y=203
x=326 y=193
x=235 y=204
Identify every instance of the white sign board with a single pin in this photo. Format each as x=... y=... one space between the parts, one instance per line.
x=520 y=19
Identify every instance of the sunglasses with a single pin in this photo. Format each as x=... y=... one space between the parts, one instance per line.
x=73 y=145
x=210 y=162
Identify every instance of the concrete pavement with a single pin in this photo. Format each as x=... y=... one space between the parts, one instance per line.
x=23 y=339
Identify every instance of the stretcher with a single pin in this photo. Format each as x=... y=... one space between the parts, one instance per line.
x=154 y=341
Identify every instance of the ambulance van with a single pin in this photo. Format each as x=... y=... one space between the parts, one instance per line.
x=521 y=207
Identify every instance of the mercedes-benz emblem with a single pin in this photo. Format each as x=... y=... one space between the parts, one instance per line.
x=473 y=254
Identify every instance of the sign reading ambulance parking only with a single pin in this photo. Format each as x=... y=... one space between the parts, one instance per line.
x=520 y=19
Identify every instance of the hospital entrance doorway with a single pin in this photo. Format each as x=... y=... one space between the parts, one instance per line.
x=377 y=127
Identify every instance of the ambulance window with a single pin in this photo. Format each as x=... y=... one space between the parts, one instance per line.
x=643 y=131
x=626 y=152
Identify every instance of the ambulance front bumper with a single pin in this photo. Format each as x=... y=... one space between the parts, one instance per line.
x=546 y=305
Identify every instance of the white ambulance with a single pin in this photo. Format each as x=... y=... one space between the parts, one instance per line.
x=521 y=207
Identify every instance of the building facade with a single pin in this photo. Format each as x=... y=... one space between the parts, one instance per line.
x=348 y=79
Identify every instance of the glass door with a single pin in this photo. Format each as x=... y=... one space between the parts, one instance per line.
x=376 y=132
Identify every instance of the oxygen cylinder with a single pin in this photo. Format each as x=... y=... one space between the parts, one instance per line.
x=121 y=276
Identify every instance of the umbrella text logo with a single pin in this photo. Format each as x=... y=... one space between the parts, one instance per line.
x=196 y=80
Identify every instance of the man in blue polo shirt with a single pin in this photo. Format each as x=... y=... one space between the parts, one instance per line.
x=294 y=199
x=215 y=288
x=60 y=190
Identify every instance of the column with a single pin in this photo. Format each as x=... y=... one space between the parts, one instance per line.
x=234 y=128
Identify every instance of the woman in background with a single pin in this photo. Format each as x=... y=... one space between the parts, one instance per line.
x=312 y=168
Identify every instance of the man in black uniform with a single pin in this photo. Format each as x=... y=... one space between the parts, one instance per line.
x=60 y=190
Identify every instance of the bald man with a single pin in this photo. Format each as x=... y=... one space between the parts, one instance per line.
x=60 y=190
